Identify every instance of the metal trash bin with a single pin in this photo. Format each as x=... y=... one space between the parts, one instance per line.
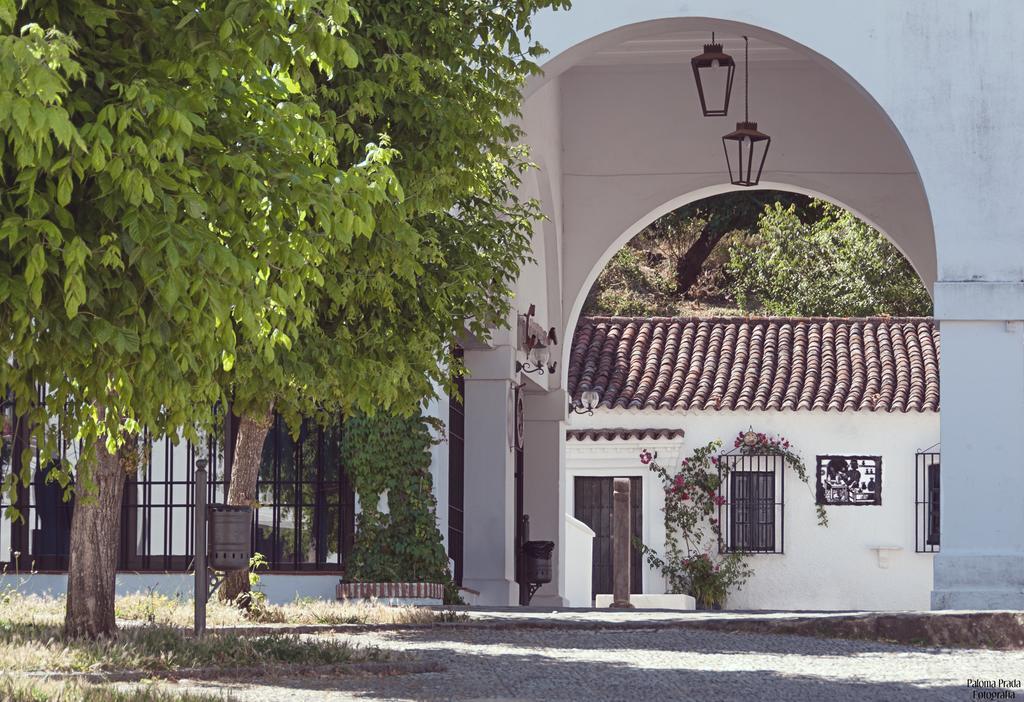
x=538 y=561
x=230 y=540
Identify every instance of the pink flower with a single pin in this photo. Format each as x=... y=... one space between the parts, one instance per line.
x=680 y=480
x=714 y=460
x=719 y=500
x=785 y=444
x=645 y=457
x=736 y=443
x=685 y=496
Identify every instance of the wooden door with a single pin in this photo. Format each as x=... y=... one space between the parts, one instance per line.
x=593 y=507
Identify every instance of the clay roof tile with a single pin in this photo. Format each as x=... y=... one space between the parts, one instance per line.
x=761 y=363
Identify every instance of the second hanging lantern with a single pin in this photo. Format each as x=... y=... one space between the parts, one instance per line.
x=748 y=145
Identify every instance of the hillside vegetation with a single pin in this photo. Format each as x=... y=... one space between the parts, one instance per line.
x=759 y=253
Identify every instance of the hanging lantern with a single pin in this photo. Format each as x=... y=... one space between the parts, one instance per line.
x=747 y=144
x=713 y=70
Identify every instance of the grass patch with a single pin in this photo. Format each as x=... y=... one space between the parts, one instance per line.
x=20 y=690
x=161 y=649
x=177 y=611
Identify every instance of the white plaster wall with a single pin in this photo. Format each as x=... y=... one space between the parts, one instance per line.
x=830 y=568
x=438 y=407
x=578 y=551
x=279 y=588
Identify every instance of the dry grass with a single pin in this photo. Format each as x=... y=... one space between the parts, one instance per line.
x=31 y=637
x=163 y=649
x=21 y=690
x=173 y=611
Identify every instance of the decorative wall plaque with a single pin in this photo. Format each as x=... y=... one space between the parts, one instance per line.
x=849 y=480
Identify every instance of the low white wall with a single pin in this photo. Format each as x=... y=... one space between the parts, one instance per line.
x=579 y=556
x=833 y=568
x=279 y=588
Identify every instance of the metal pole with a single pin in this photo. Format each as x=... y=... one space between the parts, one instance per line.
x=202 y=579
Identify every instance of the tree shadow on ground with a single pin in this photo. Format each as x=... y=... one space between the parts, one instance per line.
x=522 y=665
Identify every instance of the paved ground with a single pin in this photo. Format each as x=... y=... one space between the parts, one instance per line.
x=659 y=663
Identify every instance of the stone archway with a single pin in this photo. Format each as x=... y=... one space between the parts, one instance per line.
x=615 y=121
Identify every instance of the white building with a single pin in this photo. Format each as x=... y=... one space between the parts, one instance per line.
x=864 y=391
x=905 y=113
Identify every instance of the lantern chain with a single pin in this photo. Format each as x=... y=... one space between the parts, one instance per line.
x=746 y=79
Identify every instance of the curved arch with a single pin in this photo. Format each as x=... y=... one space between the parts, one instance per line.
x=576 y=308
x=625 y=138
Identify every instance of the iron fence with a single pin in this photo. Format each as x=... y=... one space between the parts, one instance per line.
x=305 y=520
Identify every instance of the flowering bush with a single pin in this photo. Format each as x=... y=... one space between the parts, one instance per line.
x=779 y=445
x=691 y=529
x=692 y=499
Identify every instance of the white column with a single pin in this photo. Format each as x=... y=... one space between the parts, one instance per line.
x=981 y=563
x=488 y=549
x=544 y=488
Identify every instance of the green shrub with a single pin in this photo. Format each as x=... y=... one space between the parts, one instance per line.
x=389 y=455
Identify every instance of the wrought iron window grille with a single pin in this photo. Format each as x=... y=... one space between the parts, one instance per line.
x=751 y=517
x=927 y=516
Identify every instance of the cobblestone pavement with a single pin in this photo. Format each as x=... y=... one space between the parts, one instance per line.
x=672 y=663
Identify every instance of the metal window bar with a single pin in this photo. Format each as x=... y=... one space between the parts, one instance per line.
x=752 y=517
x=927 y=515
x=158 y=507
x=306 y=517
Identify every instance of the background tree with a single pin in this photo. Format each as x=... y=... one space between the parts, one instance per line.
x=682 y=255
x=835 y=266
x=761 y=258
x=162 y=198
x=718 y=217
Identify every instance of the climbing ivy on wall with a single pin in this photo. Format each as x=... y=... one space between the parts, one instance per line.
x=390 y=455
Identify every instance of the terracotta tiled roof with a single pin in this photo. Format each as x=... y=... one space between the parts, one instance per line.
x=768 y=363
x=611 y=434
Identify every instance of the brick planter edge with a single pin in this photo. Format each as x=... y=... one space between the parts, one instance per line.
x=390 y=591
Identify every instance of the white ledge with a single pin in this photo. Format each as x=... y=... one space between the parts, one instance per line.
x=883 y=551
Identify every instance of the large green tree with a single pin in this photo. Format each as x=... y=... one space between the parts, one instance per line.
x=171 y=185
x=835 y=266
x=439 y=83
x=286 y=204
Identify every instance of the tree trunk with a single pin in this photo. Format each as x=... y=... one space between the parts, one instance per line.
x=95 y=539
x=252 y=433
x=690 y=265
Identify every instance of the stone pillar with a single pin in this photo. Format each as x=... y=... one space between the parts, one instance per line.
x=544 y=489
x=981 y=563
x=620 y=544
x=488 y=550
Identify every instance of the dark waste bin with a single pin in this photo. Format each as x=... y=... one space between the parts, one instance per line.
x=230 y=540
x=538 y=561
